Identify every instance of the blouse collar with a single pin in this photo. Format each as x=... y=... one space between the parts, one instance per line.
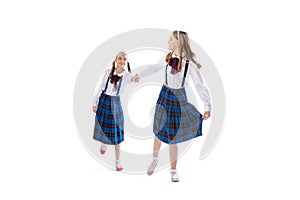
x=119 y=74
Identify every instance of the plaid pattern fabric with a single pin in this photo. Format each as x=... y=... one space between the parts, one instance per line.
x=175 y=119
x=109 y=120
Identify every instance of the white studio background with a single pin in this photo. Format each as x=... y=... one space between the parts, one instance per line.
x=255 y=47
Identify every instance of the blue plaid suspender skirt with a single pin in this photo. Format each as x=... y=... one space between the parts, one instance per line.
x=176 y=120
x=109 y=119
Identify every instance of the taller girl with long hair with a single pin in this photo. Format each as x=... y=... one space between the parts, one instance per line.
x=176 y=120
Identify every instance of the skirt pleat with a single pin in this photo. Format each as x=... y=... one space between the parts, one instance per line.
x=109 y=120
x=175 y=119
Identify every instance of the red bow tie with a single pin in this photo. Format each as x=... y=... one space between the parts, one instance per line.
x=115 y=79
x=173 y=62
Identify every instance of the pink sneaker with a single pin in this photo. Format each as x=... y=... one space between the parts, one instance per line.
x=119 y=168
x=103 y=148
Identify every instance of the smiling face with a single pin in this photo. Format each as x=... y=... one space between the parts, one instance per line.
x=121 y=60
x=173 y=43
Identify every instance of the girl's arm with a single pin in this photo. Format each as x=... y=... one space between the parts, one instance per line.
x=150 y=69
x=200 y=87
x=153 y=68
x=130 y=77
x=100 y=86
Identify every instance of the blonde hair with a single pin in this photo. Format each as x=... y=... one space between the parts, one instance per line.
x=113 y=63
x=184 y=48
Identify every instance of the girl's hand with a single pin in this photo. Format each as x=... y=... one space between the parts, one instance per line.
x=206 y=115
x=94 y=109
x=136 y=78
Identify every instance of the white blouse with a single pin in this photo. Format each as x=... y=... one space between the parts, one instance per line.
x=126 y=77
x=175 y=80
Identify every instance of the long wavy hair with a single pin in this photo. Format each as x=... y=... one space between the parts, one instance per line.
x=184 y=49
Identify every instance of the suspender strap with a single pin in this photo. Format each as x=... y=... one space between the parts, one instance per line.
x=119 y=85
x=185 y=72
x=106 y=84
x=166 y=74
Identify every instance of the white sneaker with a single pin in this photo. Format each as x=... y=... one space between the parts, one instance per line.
x=174 y=175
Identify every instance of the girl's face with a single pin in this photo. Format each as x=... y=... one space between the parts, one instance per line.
x=173 y=43
x=121 y=60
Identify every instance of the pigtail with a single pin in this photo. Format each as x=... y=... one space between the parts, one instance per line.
x=112 y=71
x=128 y=67
x=168 y=57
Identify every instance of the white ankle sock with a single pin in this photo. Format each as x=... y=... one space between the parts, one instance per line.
x=118 y=164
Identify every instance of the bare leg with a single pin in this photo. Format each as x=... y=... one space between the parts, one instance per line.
x=173 y=159
x=156 y=148
x=173 y=155
x=117 y=149
x=118 y=165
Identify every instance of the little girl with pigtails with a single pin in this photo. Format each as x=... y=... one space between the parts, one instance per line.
x=109 y=119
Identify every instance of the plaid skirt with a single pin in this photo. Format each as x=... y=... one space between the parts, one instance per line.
x=109 y=120
x=175 y=119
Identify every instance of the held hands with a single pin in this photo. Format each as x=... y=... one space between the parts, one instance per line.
x=206 y=115
x=94 y=109
x=135 y=79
